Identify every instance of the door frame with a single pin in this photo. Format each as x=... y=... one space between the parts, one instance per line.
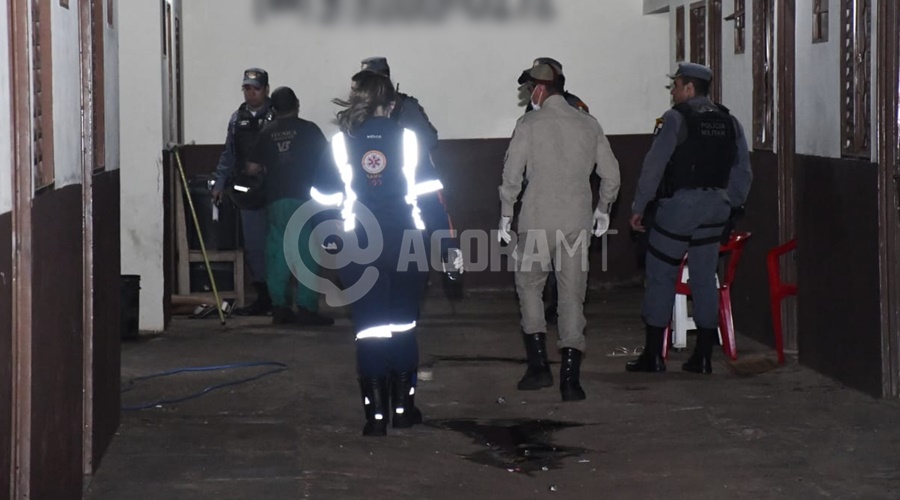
x=785 y=144
x=86 y=17
x=714 y=44
x=887 y=74
x=23 y=193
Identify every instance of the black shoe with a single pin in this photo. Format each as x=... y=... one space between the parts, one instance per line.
x=698 y=363
x=650 y=360
x=403 y=401
x=262 y=306
x=306 y=317
x=701 y=360
x=569 y=375
x=537 y=375
x=283 y=315
x=375 y=404
x=646 y=362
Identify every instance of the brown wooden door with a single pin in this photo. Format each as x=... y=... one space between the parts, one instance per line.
x=714 y=41
x=888 y=151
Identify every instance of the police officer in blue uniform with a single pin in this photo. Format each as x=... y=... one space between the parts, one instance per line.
x=697 y=171
x=377 y=166
x=246 y=190
x=407 y=112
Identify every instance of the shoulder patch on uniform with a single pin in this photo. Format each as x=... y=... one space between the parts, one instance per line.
x=659 y=125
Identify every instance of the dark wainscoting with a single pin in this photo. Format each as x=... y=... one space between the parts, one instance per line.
x=471 y=170
x=838 y=312
x=750 y=294
x=5 y=350
x=57 y=339
x=107 y=311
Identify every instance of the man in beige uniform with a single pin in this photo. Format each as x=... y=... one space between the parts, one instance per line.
x=555 y=148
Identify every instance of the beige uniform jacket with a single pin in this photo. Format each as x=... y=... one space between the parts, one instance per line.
x=555 y=149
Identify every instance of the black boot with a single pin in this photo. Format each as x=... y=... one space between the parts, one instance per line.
x=569 y=375
x=538 y=375
x=375 y=403
x=403 y=399
x=651 y=359
x=701 y=360
x=261 y=306
x=283 y=315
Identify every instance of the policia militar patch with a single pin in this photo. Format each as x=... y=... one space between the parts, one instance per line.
x=658 y=126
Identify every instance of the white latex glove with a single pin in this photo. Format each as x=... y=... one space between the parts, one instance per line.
x=601 y=223
x=503 y=234
x=456 y=261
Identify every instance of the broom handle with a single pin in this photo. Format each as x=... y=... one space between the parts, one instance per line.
x=187 y=192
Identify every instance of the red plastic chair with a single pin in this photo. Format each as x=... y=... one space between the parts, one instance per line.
x=733 y=248
x=778 y=291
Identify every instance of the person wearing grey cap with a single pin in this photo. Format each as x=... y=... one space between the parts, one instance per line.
x=289 y=149
x=557 y=214
x=243 y=128
x=697 y=171
x=526 y=85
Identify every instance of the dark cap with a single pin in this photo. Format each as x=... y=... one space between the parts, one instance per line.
x=693 y=70
x=376 y=65
x=556 y=65
x=284 y=99
x=256 y=77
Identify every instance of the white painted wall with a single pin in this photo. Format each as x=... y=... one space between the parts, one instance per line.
x=111 y=86
x=819 y=77
x=737 y=71
x=6 y=112
x=736 y=74
x=66 y=94
x=141 y=132
x=464 y=72
x=656 y=6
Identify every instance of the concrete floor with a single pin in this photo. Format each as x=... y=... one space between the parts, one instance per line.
x=785 y=433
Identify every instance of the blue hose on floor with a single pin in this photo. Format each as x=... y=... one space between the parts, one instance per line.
x=280 y=367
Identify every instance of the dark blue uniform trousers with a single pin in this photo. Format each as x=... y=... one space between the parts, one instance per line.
x=392 y=302
x=690 y=222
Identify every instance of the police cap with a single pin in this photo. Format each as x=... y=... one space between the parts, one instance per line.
x=693 y=70
x=376 y=65
x=256 y=77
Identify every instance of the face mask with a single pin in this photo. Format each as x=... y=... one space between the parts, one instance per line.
x=534 y=105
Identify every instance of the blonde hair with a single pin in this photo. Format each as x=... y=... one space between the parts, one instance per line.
x=368 y=91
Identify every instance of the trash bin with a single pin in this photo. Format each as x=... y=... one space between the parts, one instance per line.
x=130 y=306
x=219 y=233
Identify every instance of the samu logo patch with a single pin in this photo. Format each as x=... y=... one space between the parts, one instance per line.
x=374 y=162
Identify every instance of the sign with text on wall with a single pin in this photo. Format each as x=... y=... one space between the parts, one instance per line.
x=329 y=12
